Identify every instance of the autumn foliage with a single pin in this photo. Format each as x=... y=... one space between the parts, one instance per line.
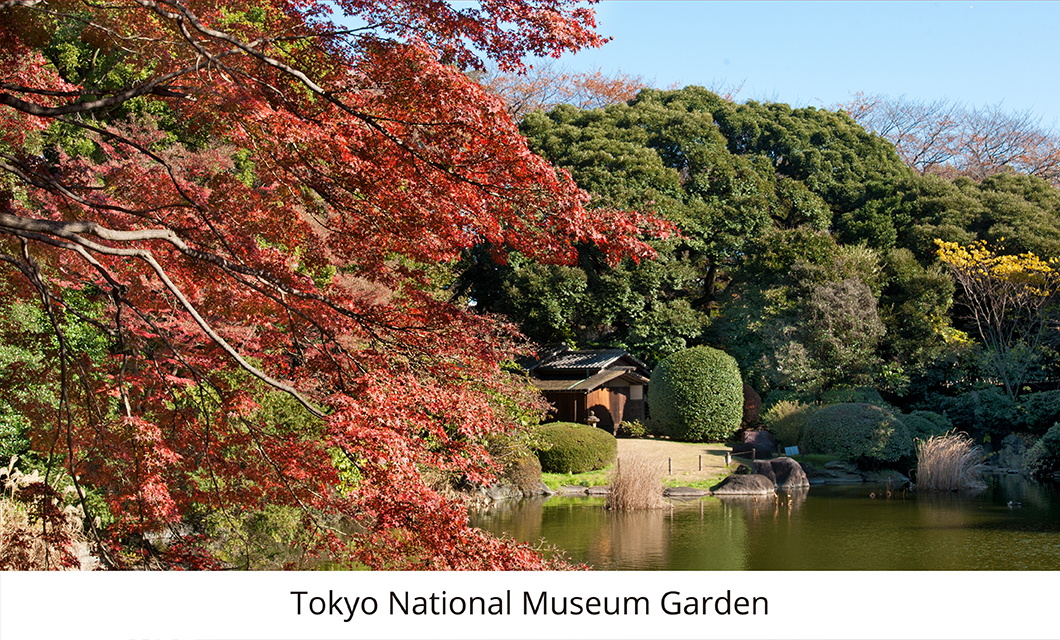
x=1009 y=300
x=246 y=202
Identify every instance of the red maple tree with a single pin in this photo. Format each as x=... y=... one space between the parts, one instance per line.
x=261 y=200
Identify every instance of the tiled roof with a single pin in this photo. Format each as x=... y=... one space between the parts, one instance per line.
x=594 y=359
x=590 y=383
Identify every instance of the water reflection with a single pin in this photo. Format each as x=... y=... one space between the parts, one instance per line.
x=823 y=528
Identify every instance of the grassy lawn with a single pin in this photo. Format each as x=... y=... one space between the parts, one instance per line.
x=684 y=457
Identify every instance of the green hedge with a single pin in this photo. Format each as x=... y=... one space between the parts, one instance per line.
x=574 y=448
x=786 y=420
x=857 y=430
x=1043 y=458
x=696 y=395
x=925 y=424
x=1036 y=412
x=866 y=395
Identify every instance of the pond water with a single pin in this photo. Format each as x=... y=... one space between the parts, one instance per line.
x=822 y=528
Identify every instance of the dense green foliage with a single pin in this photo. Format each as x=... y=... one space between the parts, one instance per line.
x=575 y=448
x=991 y=411
x=806 y=250
x=786 y=420
x=857 y=430
x=1043 y=458
x=921 y=427
x=696 y=395
x=1036 y=412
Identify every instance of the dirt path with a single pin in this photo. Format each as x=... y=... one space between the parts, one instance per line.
x=685 y=457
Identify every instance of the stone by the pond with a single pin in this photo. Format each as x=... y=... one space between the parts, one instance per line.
x=885 y=476
x=748 y=485
x=575 y=489
x=833 y=472
x=784 y=472
x=1012 y=453
x=841 y=465
x=501 y=491
x=742 y=470
x=760 y=441
x=599 y=491
x=684 y=492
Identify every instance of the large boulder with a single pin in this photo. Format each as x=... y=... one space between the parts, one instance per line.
x=784 y=472
x=833 y=472
x=748 y=485
x=760 y=441
x=1013 y=452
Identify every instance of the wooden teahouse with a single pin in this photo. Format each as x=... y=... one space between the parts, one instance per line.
x=609 y=382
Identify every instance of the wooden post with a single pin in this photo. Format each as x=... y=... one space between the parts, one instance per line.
x=670 y=464
x=701 y=462
x=728 y=459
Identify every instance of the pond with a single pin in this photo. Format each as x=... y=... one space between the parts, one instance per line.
x=822 y=528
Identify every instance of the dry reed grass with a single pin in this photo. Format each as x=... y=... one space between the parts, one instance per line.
x=949 y=462
x=636 y=483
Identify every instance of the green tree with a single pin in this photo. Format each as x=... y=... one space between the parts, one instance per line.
x=801 y=313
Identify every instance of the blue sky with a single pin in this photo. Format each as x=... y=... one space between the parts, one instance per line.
x=819 y=53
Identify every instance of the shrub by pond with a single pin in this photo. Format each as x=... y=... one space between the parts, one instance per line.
x=925 y=424
x=786 y=420
x=857 y=430
x=1043 y=459
x=575 y=448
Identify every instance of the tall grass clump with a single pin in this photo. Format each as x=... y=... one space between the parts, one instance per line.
x=949 y=462
x=636 y=483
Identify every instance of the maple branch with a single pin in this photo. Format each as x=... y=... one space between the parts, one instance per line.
x=72 y=231
x=250 y=48
x=41 y=111
x=42 y=181
x=185 y=14
x=32 y=273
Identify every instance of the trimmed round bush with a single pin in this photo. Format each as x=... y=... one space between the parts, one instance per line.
x=925 y=424
x=1043 y=458
x=696 y=395
x=575 y=448
x=857 y=430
